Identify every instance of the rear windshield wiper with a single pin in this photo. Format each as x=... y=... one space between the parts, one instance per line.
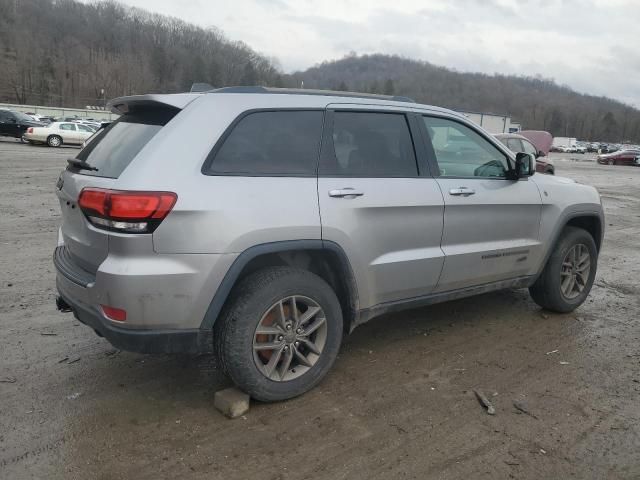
x=81 y=164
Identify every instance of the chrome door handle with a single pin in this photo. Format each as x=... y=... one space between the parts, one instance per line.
x=462 y=191
x=346 y=192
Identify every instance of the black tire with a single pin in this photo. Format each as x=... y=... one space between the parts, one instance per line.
x=550 y=171
x=250 y=300
x=54 y=141
x=546 y=291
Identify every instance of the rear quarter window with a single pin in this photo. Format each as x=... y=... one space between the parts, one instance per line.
x=283 y=143
x=113 y=148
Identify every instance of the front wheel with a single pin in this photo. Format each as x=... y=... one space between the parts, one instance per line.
x=568 y=276
x=280 y=333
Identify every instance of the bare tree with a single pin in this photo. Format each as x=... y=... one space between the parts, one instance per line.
x=75 y=51
x=539 y=103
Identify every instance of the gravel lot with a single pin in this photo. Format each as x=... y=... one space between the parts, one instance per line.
x=398 y=403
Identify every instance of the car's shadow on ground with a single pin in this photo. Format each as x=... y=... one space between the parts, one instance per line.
x=195 y=378
x=415 y=366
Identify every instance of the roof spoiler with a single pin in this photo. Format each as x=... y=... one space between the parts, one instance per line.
x=124 y=105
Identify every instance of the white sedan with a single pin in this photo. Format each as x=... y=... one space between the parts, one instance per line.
x=59 y=133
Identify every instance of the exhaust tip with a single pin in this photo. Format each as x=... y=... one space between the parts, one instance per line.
x=62 y=305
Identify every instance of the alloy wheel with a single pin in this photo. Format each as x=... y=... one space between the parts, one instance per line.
x=289 y=338
x=574 y=274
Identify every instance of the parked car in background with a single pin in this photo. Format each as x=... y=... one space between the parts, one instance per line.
x=566 y=142
x=609 y=147
x=622 y=157
x=541 y=139
x=35 y=116
x=579 y=148
x=98 y=130
x=59 y=133
x=518 y=143
x=593 y=147
x=15 y=124
x=89 y=123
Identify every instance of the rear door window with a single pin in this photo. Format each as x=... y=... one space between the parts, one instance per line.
x=371 y=144
x=270 y=143
x=69 y=127
x=112 y=149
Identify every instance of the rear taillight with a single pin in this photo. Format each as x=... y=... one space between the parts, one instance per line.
x=123 y=211
x=30 y=130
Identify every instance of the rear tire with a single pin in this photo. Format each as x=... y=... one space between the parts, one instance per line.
x=275 y=300
x=554 y=289
x=54 y=141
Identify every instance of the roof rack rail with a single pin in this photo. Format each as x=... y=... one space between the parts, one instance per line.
x=302 y=91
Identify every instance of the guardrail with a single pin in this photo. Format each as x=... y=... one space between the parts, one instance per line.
x=58 y=112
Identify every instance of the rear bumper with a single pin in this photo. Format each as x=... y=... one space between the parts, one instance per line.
x=194 y=341
x=156 y=322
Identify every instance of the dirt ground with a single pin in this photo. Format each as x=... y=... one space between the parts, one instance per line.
x=398 y=403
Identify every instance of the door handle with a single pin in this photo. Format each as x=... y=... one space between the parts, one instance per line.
x=462 y=191
x=346 y=192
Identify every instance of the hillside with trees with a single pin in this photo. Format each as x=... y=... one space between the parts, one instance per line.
x=72 y=54
x=538 y=103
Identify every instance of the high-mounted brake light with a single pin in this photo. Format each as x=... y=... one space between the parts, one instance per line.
x=124 y=211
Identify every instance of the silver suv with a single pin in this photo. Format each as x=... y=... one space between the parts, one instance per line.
x=265 y=224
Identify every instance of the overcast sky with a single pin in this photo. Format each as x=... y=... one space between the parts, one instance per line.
x=590 y=45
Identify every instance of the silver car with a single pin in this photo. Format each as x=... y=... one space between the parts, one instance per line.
x=264 y=224
x=57 y=134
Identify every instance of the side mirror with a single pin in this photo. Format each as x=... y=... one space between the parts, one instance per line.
x=540 y=154
x=525 y=165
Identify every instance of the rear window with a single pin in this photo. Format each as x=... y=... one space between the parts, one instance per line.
x=270 y=143
x=113 y=148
